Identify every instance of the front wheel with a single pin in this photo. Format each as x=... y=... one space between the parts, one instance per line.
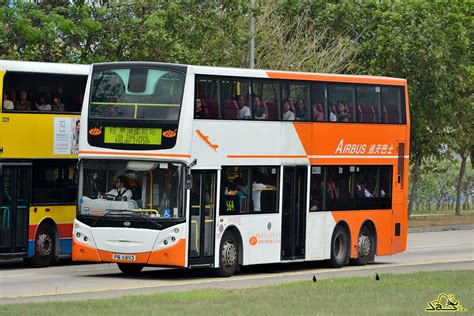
x=339 y=247
x=130 y=268
x=228 y=255
x=45 y=247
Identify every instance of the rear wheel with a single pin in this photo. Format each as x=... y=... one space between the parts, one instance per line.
x=130 y=268
x=365 y=247
x=45 y=247
x=228 y=255
x=339 y=247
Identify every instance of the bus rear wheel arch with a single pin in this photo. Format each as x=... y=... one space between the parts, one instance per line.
x=46 y=246
x=340 y=246
x=366 y=244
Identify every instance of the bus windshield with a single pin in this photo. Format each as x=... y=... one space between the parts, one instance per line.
x=148 y=188
x=136 y=93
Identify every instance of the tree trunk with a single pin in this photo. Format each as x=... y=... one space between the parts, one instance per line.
x=459 y=184
x=414 y=180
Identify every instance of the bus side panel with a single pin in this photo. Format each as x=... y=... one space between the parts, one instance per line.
x=31 y=135
x=319 y=228
x=382 y=220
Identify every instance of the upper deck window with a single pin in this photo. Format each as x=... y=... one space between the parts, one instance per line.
x=137 y=93
x=45 y=93
x=240 y=98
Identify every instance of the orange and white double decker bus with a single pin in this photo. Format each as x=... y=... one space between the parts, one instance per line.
x=39 y=125
x=192 y=166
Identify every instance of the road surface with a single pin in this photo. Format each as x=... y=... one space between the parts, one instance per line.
x=452 y=250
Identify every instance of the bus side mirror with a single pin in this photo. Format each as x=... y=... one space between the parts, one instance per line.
x=188 y=182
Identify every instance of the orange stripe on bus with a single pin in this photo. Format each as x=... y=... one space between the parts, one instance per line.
x=266 y=156
x=335 y=78
x=133 y=154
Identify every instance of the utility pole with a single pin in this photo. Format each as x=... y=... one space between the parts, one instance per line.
x=252 y=33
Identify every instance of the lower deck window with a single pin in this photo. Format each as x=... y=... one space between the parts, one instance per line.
x=350 y=188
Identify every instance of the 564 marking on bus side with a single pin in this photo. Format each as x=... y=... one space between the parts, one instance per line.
x=123 y=257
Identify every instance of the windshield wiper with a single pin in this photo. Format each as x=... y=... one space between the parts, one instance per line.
x=94 y=223
x=134 y=214
x=126 y=213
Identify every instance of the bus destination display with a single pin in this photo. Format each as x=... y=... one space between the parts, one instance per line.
x=133 y=135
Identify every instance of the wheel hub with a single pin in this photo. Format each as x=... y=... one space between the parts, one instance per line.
x=364 y=245
x=229 y=253
x=44 y=245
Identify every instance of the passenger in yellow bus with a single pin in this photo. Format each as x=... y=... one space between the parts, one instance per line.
x=42 y=105
x=24 y=104
x=302 y=113
x=120 y=191
x=244 y=110
x=287 y=114
x=57 y=105
x=259 y=111
x=7 y=103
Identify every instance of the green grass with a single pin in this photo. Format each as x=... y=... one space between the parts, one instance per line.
x=393 y=294
x=443 y=211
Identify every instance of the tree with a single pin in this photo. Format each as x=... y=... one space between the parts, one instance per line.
x=426 y=42
x=291 y=40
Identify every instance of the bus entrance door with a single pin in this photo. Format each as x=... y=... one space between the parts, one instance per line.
x=14 y=209
x=202 y=218
x=294 y=213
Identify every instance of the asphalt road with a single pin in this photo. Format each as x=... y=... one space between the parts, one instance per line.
x=453 y=250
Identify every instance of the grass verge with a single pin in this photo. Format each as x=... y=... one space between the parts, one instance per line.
x=393 y=294
x=440 y=220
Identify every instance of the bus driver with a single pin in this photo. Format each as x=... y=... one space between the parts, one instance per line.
x=121 y=191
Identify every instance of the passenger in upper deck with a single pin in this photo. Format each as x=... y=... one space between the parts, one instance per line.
x=302 y=113
x=198 y=112
x=57 y=105
x=244 y=110
x=259 y=111
x=24 y=104
x=287 y=114
x=42 y=105
x=7 y=103
x=342 y=114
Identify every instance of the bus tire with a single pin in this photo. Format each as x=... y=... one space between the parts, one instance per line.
x=130 y=268
x=228 y=255
x=45 y=247
x=365 y=247
x=339 y=247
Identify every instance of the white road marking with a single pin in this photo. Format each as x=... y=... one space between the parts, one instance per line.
x=435 y=246
x=235 y=278
x=16 y=275
x=97 y=269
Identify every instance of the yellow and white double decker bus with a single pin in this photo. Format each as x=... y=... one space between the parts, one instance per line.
x=39 y=130
x=193 y=166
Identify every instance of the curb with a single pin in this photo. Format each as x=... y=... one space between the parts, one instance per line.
x=440 y=228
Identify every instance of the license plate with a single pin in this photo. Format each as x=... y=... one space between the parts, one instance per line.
x=121 y=257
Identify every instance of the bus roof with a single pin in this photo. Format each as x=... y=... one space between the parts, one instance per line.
x=273 y=74
x=52 y=68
